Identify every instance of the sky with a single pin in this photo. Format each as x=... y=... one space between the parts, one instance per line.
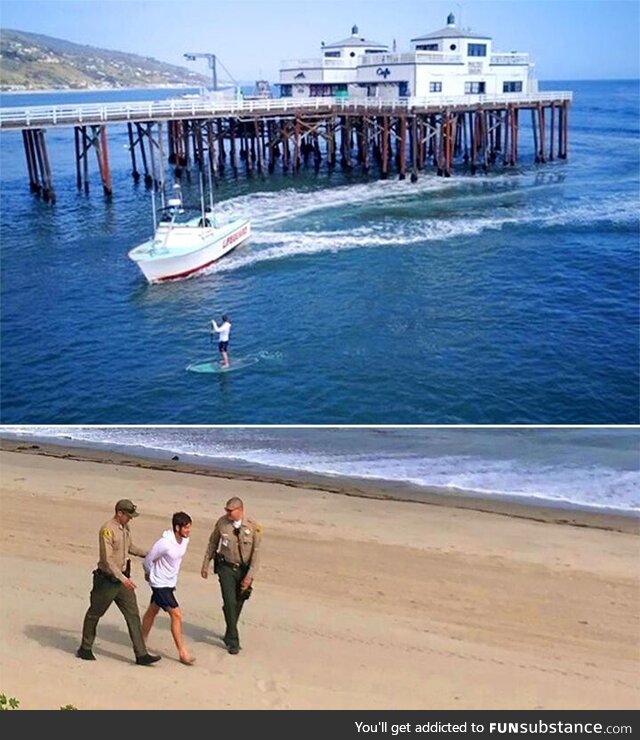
x=567 y=39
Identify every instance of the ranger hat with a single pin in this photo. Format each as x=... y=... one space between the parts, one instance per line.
x=128 y=507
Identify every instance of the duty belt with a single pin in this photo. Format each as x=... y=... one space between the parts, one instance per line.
x=233 y=566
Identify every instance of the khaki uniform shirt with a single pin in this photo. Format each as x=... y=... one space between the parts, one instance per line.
x=115 y=545
x=236 y=549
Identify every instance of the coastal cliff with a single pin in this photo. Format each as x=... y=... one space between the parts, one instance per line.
x=30 y=61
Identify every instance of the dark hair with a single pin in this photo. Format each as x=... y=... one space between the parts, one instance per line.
x=180 y=519
x=225 y=317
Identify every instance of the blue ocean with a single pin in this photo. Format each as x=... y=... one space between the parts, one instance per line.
x=596 y=469
x=505 y=298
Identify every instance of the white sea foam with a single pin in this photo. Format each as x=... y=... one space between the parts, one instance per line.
x=268 y=245
x=270 y=208
x=578 y=480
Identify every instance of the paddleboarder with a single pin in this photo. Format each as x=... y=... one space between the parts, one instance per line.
x=223 y=338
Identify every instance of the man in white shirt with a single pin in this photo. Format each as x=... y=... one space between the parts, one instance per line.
x=223 y=338
x=161 y=567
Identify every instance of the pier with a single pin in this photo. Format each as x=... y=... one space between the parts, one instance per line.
x=402 y=136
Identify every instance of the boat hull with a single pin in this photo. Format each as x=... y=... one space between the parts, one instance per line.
x=181 y=253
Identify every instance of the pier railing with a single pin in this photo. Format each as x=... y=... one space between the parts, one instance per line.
x=101 y=113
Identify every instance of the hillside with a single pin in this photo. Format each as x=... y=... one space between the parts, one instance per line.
x=30 y=61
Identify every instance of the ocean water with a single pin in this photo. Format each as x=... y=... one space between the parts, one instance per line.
x=592 y=468
x=507 y=298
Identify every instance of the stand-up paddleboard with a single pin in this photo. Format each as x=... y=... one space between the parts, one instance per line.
x=212 y=365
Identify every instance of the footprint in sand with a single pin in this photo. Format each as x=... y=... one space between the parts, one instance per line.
x=274 y=691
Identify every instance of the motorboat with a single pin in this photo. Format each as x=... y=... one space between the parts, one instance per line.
x=185 y=240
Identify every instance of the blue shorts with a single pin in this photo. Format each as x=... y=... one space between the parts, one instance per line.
x=222 y=346
x=164 y=598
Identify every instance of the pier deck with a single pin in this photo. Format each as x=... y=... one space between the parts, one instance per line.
x=167 y=110
x=408 y=134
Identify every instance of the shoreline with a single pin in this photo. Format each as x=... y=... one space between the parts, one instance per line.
x=343 y=486
x=56 y=90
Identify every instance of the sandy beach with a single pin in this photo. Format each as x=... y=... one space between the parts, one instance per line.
x=361 y=602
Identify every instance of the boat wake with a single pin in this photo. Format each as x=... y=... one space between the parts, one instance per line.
x=267 y=210
x=276 y=237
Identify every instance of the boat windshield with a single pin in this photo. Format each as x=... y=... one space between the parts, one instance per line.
x=192 y=217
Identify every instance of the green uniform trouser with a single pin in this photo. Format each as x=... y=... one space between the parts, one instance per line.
x=232 y=603
x=103 y=594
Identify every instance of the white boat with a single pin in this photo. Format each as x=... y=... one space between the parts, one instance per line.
x=184 y=243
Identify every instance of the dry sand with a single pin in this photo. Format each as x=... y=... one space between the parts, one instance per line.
x=360 y=603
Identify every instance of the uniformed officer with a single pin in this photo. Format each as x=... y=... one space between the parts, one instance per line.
x=112 y=582
x=234 y=545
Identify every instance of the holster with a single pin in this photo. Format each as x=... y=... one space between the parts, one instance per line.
x=244 y=595
x=127 y=570
x=105 y=576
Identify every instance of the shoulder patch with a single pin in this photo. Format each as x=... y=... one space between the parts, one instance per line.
x=106 y=534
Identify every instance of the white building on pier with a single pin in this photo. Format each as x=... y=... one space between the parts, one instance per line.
x=445 y=63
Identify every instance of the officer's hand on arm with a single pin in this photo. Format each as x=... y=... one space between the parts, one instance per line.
x=128 y=583
x=245 y=583
x=204 y=572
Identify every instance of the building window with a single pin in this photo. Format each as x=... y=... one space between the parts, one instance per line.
x=332 y=53
x=474 y=88
x=285 y=91
x=320 y=91
x=435 y=87
x=477 y=50
x=403 y=89
x=511 y=87
x=427 y=47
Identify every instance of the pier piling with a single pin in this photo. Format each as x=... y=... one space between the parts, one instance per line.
x=396 y=136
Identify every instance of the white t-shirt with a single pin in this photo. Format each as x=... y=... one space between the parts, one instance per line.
x=222 y=330
x=163 y=560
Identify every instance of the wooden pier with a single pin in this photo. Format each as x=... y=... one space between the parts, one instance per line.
x=403 y=136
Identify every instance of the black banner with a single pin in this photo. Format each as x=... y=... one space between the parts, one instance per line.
x=365 y=724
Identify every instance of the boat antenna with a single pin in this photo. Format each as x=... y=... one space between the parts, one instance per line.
x=202 y=196
x=154 y=180
x=210 y=184
x=163 y=202
x=153 y=207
